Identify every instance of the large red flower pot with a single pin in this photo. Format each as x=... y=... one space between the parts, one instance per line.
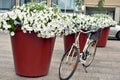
x=104 y=37
x=70 y=39
x=32 y=55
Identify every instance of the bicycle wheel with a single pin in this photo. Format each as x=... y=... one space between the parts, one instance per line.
x=68 y=63
x=90 y=53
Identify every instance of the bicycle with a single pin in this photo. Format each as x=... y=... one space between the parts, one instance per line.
x=72 y=56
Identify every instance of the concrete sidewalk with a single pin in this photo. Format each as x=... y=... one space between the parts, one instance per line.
x=106 y=65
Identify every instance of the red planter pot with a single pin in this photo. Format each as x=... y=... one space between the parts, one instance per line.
x=70 y=39
x=32 y=55
x=104 y=37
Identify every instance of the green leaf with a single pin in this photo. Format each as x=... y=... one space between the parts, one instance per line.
x=101 y=4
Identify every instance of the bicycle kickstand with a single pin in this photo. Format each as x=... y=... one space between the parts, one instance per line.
x=85 y=68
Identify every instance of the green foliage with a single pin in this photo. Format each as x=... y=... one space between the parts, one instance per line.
x=11 y=22
x=55 y=9
x=35 y=6
x=101 y=4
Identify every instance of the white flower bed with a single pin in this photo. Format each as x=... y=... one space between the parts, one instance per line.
x=49 y=22
x=103 y=20
x=32 y=17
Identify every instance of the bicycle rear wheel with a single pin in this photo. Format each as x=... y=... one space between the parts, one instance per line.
x=68 y=63
x=90 y=53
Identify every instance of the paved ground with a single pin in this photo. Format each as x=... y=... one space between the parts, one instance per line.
x=106 y=65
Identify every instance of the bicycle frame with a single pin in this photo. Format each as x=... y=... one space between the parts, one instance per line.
x=76 y=43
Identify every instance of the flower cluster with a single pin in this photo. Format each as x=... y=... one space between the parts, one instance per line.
x=73 y=23
x=103 y=20
x=48 y=22
x=30 y=17
x=93 y=22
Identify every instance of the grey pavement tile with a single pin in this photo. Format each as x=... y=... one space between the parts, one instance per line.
x=106 y=65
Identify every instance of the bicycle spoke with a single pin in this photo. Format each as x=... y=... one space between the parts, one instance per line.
x=68 y=64
x=90 y=53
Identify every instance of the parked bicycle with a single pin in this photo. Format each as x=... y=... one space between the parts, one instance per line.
x=73 y=56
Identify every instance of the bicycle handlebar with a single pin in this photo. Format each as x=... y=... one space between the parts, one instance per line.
x=91 y=31
x=95 y=34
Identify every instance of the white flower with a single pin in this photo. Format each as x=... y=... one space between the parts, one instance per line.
x=38 y=35
x=12 y=33
x=12 y=15
x=24 y=31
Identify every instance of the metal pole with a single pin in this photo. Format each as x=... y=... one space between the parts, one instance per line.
x=65 y=3
x=17 y=2
x=48 y=2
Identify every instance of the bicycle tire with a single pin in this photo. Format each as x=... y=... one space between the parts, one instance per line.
x=67 y=69
x=90 y=52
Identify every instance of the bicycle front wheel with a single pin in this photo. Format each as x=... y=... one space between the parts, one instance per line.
x=68 y=63
x=90 y=53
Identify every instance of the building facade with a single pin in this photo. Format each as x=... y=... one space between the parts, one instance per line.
x=112 y=8
x=8 y=4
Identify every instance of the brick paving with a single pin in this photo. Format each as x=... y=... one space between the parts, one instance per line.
x=106 y=65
